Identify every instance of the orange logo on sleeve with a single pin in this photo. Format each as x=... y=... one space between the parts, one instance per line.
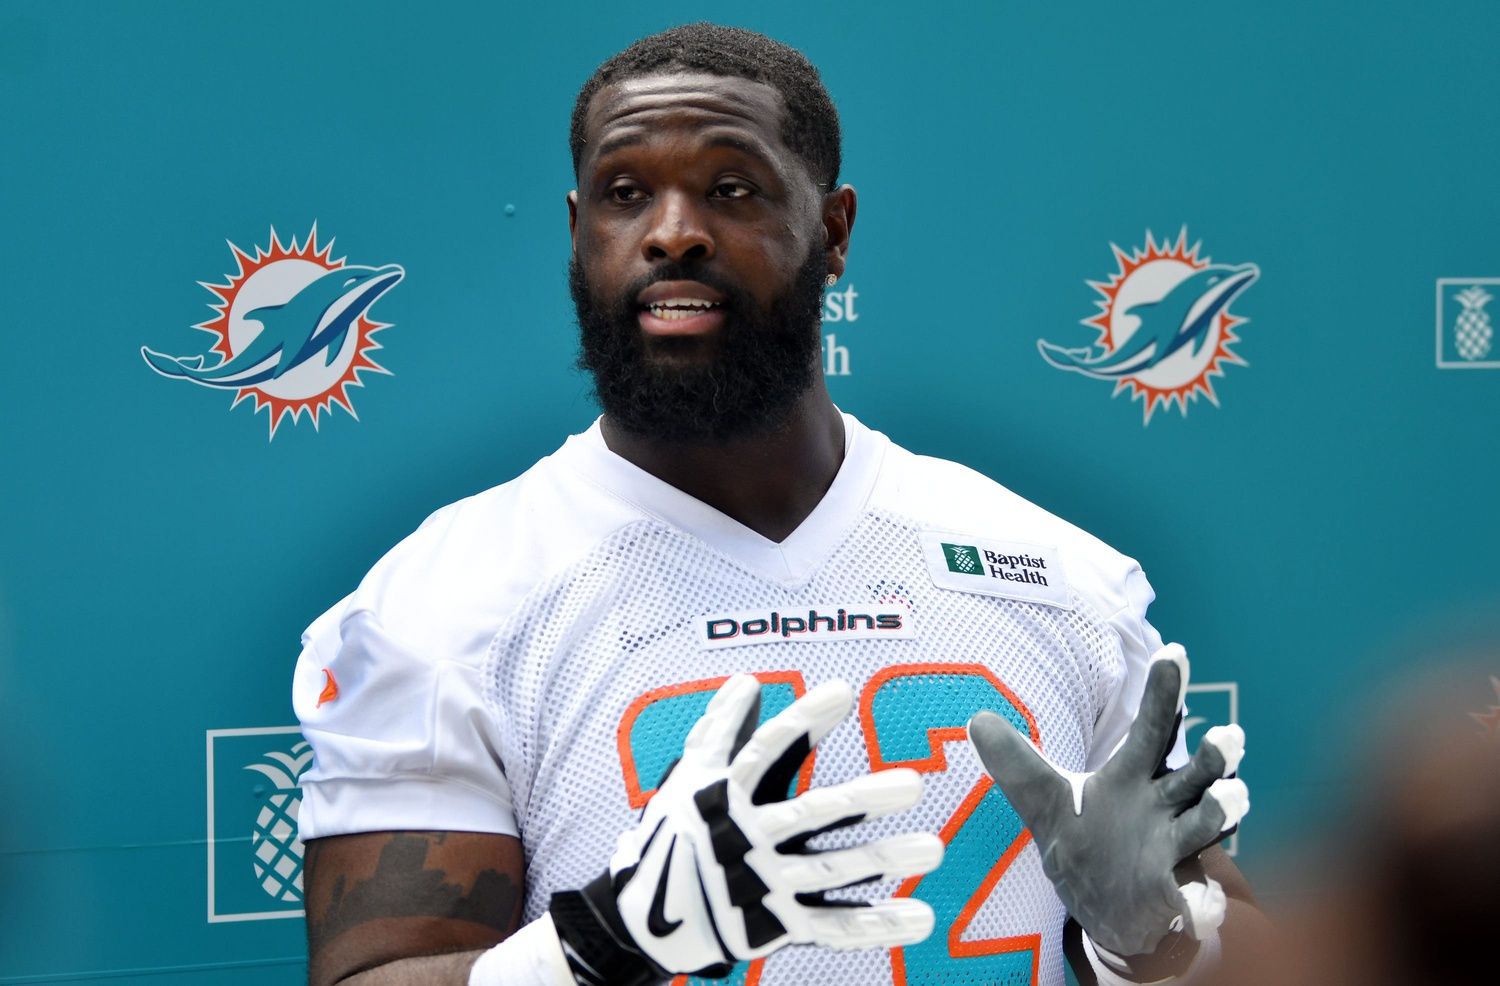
x=330 y=689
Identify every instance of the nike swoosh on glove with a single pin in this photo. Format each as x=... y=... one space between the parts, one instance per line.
x=718 y=870
x=1110 y=840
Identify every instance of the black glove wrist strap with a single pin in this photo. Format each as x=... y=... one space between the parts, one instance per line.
x=1170 y=959
x=595 y=953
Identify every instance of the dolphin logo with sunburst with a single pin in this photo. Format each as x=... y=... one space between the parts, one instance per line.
x=291 y=330
x=1164 y=324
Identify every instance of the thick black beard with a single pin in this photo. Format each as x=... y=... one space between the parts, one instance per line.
x=763 y=360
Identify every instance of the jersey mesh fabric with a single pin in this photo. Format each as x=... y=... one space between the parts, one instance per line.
x=600 y=638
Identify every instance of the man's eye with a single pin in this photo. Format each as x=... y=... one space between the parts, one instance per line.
x=625 y=193
x=732 y=190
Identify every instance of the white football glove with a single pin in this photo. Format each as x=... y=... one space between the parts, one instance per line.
x=1110 y=840
x=718 y=870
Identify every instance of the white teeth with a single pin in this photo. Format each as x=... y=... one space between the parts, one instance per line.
x=679 y=308
x=675 y=314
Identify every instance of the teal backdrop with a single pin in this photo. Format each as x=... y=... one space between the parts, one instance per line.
x=1323 y=524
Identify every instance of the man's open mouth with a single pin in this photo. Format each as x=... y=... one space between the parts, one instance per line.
x=673 y=309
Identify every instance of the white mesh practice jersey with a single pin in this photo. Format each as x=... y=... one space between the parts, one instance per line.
x=530 y=660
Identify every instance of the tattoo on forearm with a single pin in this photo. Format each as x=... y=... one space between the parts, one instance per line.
x=403 y=886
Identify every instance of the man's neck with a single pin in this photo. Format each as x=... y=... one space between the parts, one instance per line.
x=769 y=483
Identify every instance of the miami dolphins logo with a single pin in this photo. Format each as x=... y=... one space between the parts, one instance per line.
x=292 y=330
x=1164 y=325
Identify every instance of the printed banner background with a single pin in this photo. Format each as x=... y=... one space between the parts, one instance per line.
x=1330 y=524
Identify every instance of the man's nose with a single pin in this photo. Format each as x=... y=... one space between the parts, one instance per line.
x=678 y=230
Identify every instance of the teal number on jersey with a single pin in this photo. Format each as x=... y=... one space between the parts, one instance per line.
x=654 y=738
x=908 y=713
x=661 y=727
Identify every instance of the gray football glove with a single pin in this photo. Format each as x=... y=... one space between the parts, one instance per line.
x=718 y=870
x=1110 y=840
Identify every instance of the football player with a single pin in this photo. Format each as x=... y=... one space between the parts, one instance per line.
x=682 y=694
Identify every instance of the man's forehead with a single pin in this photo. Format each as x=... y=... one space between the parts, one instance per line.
x=685 y=98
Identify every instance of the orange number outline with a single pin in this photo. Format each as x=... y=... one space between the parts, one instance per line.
x=638 y=797
x=937 y=762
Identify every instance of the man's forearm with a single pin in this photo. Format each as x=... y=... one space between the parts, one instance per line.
x=1247 y=938
x=1247 y=934
x=533 y=956
x=424 y=970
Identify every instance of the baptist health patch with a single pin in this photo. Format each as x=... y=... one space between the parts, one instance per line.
x=1032 y=573
x=775 y=626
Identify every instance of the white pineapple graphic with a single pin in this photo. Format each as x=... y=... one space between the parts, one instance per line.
x=1472 y=333
x=275 y=840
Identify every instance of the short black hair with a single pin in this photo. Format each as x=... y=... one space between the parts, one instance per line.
x=811 y=127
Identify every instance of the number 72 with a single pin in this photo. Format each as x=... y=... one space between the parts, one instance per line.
x=906 y=712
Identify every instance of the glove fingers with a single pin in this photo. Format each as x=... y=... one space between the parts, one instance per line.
x=1217 y=756
x=883 y=924
x=789 y=735
x=1156 y=722
x=733 y=711
x=1204 y=905
x=1223 y=805
x=868 y=796
x=896 y=857
x=1026 y=777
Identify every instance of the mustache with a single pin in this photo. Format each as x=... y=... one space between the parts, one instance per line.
x=677 y=271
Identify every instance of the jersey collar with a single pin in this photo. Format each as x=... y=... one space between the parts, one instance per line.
x=790 y=562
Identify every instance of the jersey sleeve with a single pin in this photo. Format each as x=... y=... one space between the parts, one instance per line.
x=401 y=740
x=1138 y=641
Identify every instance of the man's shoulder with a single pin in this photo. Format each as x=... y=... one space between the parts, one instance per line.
x=445 y=587
x=947 y=497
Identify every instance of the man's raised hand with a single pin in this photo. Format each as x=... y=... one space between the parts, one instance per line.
x=718 y=869
x=1110 y=840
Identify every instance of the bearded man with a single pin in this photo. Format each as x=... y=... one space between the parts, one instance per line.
x=590 y=725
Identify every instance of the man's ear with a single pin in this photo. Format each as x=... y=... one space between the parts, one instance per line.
x=839 y=207
x=573 y=219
